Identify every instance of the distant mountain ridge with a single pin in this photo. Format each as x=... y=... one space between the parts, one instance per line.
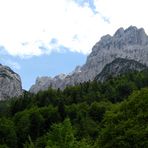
x=10 y=83
x=131 y=43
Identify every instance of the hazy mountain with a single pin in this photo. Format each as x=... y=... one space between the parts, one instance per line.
x=131 y=43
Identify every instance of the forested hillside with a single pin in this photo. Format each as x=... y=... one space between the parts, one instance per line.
x=112 y=114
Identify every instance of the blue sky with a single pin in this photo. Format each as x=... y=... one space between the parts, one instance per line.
x=44 y=65
x=49 y=37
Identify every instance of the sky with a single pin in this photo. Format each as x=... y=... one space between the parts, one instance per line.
x=49 y=37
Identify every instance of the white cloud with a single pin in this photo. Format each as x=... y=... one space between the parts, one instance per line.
x=28 y=26
x=124 y=13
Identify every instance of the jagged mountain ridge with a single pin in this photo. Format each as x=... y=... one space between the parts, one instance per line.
x=10 y=83
x=119 y=66
x=131 y=43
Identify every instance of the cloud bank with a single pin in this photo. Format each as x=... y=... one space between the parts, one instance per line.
x=35 y=27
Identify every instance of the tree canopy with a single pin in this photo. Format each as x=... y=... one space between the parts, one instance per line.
x=89 y=115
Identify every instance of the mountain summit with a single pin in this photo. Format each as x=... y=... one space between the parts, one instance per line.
x=130 y=43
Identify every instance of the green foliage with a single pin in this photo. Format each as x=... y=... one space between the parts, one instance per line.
x=84 y=143
x=3 y=146
x=126 y=124
x=50 y=115
x=89 y=115
x=44 y=98
x=61 y=135
x=34 y=122
x=4 y=108
x=29 y=143
x=7 y=133
x=98 y=109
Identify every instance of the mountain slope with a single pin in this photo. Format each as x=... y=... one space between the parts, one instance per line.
x=131 y=43
x=119 y=66
x=10 y=83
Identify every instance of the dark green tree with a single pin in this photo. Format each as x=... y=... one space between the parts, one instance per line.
x=61 y=135
x=7 y=133
x=126 y=124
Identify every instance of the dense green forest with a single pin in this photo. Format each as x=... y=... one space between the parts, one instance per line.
x=112 y=114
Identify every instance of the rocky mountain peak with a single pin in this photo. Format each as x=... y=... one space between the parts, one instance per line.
x=130 y=44
x=10 y=83
x=60 y=76
x=136 y=36
x=119 y=33
x=132 y=35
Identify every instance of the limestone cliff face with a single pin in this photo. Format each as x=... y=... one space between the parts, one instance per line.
x=10 y=83
x=131 y=43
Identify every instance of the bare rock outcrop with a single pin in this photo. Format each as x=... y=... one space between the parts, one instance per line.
x=10 y=83
x=131 y=43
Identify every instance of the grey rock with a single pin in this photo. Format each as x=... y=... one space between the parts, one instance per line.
x=10 y=83
x=131 y=43
x=119 y=66
x=43 y=83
